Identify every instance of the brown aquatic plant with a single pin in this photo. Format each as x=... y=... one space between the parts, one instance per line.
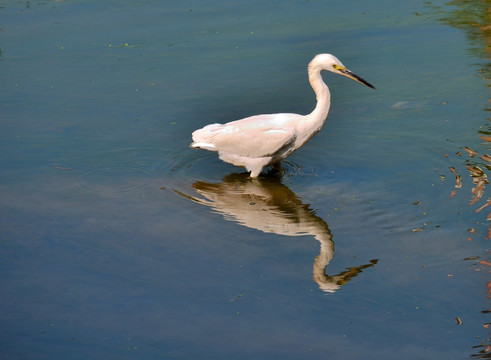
x=458 y=178
x=471 y=152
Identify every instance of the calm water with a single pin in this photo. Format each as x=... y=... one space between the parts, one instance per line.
x=120 y=242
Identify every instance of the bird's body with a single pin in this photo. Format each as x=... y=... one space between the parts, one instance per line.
x=262 y=140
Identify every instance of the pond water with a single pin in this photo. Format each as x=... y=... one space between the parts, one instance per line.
x=120 y=242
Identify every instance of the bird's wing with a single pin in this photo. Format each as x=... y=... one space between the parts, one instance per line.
x=256 y=136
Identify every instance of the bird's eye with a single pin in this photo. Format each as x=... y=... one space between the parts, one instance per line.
x=334 y=66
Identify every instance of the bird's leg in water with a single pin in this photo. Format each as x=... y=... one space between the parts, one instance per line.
x=277 y=166
x=277 y=169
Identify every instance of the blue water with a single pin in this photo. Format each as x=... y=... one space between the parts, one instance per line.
x=119 y=242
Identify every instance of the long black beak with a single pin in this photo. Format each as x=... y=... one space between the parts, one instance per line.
x=355 y=77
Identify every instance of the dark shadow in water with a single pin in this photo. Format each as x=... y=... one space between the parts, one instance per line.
x=266 y=204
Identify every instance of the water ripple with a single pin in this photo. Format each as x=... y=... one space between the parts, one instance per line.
x=116 y=179
x=116 y=171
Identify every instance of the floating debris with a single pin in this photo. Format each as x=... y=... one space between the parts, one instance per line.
x=476 y=171
x=458 y=178
x=478 y=190
x=400 y=105
x=471 y=152
x=234 y=299
x=458 y=321
x=484 y=206
x=452 y=194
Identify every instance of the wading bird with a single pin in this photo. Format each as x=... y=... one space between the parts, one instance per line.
x=262 y=140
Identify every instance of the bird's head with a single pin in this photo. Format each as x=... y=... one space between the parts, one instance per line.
x=331 y=63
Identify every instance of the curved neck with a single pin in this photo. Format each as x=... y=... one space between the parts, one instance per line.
x=322 y=94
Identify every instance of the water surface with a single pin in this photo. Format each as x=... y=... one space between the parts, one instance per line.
x=119 y=242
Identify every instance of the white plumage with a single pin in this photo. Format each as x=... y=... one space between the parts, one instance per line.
x=262 y=140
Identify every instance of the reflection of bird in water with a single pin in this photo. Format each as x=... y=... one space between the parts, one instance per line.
x=271 y=207
x=262 y=140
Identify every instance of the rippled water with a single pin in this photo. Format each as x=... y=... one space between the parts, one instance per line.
x=119 y=241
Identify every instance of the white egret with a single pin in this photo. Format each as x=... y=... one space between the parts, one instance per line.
x=261 y=140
